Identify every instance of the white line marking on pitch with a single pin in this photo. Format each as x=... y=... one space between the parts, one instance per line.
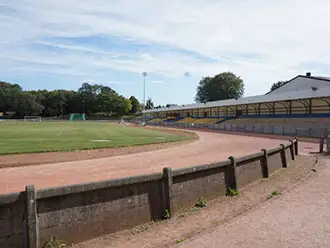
x=100 y=140
x=60 y=132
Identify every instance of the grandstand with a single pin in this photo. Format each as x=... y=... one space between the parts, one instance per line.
x=302 y=102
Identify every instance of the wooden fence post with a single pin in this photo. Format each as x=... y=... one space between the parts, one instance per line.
x=321 y=144
x=296 y=146
x=283 y=157
x=168 y=182
x=265 y=172
x=31 y=217
x=292 y=149
x=231 y=175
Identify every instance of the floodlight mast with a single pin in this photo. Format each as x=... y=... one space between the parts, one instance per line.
x=144 y=74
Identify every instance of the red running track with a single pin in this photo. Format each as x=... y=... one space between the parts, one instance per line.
x=211 y=147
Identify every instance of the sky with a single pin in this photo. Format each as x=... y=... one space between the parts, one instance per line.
x=59 y=44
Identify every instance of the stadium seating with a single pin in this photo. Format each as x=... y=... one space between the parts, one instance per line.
x=280 y=121
x=200 y=120
x=207 y=120
x=157 y=120
x=186 y=120
x=173 y=119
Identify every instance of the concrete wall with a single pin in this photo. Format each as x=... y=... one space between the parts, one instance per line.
x=12 y=220
x=249 y=169
x=94 y=211
x=79 y=212
x=303 y=130
x=189 y=184
x=275 y=160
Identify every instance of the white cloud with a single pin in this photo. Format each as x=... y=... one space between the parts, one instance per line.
x=158 y=82
x=262 y=41
x=120 y=83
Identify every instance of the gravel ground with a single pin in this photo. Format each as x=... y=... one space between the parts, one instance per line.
x=298 y=219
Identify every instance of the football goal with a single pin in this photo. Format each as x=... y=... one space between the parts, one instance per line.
x=77 y=117
x=32 y=118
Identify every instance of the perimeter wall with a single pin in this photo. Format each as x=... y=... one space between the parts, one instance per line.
x=77 y=213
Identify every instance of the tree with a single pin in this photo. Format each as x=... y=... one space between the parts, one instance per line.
x=277 y=85
x=28 y=105
x=88 y=95
x=91 y=99
x=149 y=104
x=220 y=87
x=136 y=106
x=10 y=94
x=122 y=105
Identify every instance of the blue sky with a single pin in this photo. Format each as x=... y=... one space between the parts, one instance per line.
x=60 y=44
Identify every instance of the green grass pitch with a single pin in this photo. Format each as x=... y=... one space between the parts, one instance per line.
x=26 y=137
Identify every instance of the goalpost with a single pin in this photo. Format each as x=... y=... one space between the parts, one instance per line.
x=77 y=117
x=32 y=118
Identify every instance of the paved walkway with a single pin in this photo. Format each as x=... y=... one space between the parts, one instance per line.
x=297 y=219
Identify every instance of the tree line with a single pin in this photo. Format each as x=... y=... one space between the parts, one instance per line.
x=91 y=99
x=96 y=99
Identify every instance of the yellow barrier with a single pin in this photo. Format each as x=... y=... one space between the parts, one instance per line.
x=157 y=120
x=208 y=120
x=186 y=120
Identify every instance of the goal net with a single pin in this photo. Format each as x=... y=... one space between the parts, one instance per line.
x=77 y=117
x=32 y=118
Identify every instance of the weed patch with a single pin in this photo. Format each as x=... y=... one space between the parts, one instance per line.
x=273 y=194
x=232 y=192
x=180 y=240
x=201 y=203
x=167 y=215
x=54 y=242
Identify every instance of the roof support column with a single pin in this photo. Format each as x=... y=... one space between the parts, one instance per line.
x=290 y=107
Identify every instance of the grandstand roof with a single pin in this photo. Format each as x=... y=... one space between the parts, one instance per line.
x=290 y=95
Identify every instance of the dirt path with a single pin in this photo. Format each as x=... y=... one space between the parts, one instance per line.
x=210 y=147
x=297 y=219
